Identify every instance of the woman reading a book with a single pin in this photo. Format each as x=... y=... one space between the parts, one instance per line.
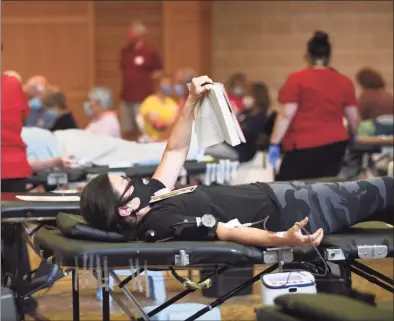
x=267 y=214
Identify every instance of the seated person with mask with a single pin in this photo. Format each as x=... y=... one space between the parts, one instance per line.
x=46 y=149
x=236 y=89
x=252 y=121
x=182 y=77
x=158 y=111
x=104 y=120
x=39 y=116
x=56 y=103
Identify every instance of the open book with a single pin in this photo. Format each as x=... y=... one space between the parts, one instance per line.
x=215 y=121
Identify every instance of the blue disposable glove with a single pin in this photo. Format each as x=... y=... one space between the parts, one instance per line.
x=353 y=138
x=273 y=155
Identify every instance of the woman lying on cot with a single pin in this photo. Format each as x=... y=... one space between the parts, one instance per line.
x=115 y=203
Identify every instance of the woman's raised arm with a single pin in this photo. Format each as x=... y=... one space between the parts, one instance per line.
x=178 y=143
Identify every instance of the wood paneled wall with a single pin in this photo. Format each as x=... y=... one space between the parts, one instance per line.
x=267 y=39
x=76 y=44
x=52 y=39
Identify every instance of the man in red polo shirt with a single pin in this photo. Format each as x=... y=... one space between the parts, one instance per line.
x=139 y=63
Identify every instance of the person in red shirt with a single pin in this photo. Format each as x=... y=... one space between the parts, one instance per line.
x=14 y=110
x=309 y=125
x=14 y=171
x=139 y=63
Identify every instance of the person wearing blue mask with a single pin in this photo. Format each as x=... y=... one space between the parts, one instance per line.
x=56 y=104
x=39 y=116
x=158 y=112
x=99 y=108
x=182 y=77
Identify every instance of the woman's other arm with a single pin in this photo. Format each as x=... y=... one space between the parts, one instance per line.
x=178 y=143
x=261 y=238
x=288 y=98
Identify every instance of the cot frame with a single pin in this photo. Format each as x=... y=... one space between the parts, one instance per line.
x=276 y=257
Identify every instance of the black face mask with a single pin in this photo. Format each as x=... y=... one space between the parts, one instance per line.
x=142 y=191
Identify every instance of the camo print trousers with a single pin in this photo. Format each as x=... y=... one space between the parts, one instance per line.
x=335 y=206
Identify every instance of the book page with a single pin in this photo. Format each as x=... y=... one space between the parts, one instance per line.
x=55 y=198
x=232 y=131
x=207 y=127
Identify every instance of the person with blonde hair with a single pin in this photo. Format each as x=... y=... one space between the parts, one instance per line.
x=13 y=73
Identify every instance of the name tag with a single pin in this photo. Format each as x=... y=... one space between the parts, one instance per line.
x=180 y=191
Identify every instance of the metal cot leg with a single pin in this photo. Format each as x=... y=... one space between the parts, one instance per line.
x=106 y=308
x=75 y=293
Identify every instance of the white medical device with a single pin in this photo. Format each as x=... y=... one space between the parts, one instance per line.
x=277 y=284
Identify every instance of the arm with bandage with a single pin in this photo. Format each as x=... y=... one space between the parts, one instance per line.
x=257 y=237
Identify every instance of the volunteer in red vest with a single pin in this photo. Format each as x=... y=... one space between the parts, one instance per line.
x=14 y=171
x=139 y=64
x=309 y=126
x=14 y=110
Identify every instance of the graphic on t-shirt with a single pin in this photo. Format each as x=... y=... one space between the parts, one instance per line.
x=180 y=191
x=139 y=60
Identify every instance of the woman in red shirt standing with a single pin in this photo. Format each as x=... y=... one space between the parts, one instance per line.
x=14 y=110
x=309 y=125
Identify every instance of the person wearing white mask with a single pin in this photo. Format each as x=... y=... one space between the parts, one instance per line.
x=252 y=121
x=99 y=107
x=236 y=90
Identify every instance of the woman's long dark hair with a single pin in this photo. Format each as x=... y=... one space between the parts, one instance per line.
x=260 y=93
x=98 y=203
x=319 y=47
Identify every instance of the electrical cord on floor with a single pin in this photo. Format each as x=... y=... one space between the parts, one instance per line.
x=188 y=284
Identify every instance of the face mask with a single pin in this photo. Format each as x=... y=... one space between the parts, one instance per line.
x=142 y=191
x=248 y=101
x=87 y=109
x=238 y=91
x=179 y=90
x=35 y=103
x=51 y=113
x=166 y=90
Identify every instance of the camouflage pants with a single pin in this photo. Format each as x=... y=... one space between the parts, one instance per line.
x=335 y=206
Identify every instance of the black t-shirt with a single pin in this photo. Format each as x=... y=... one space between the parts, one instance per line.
x=247 y=203
x=65 y=121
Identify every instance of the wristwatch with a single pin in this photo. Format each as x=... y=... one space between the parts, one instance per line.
x=208 y=220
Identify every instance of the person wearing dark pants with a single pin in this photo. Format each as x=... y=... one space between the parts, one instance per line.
x=323 y=161
x=309 y=127
x=15 y=168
